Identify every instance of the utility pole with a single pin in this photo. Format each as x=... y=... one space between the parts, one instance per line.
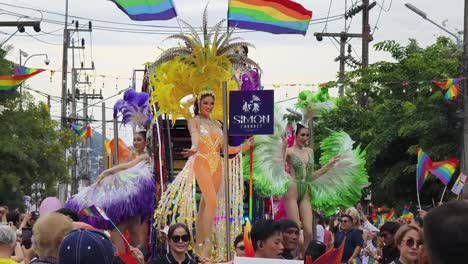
x=465 y=100
x=104 y=152
x=64 y=70
x=365 y=35
x=63 y=187
x=74 y=96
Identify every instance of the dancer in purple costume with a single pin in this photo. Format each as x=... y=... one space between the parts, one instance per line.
x=125 y=192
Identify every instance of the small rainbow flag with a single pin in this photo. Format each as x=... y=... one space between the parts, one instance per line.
x=407 y=215
x=452 y=87
x=9 y=83
x=82 y=131
x=387 y=216
x=423 y=168
x=444 y=170
x=356 y=261
x=274 y=16
x=94 y=211
x=145 y=10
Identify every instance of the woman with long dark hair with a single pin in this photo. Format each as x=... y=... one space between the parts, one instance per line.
x=205 y=165
x=125 y=193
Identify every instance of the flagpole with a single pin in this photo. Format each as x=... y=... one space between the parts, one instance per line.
x=226 y=172
x=177 y=17
x=417 y=193
x=443 y=193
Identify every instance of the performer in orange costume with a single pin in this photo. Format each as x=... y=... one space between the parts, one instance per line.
x=206 y=166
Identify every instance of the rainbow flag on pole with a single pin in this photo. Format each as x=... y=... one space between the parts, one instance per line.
x=94 y=211
x=9 y=83
x=25 y=70
x=274 y=16
x=145 y=10
x=444 y=170
x=423 y=168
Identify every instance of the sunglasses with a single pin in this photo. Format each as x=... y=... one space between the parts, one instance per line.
x=411 y=242
x=241 y=247
x=345 y=221
x=184 y=238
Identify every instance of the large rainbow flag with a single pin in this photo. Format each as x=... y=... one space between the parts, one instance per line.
x=274 y=16
x=9 y=83
x=443 y=170
x=145 y=10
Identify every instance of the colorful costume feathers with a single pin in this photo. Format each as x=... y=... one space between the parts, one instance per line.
x=134 y=108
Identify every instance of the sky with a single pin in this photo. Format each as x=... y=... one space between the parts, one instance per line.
x=285 y=59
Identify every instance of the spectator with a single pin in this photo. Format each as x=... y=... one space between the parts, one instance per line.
x=446 y=233
x=390 y=250
x=266 y=239
x=29 y=220
x=179 y=239
x=351 y=237
x=7 y=244
x=14 y=217
x=319 y=227
x=70 y=213
x=290 y=237
x=86 y=247
x=354 y=213
x=239 y=245
x=48 y=233
x=328 y=237
x=408 y=238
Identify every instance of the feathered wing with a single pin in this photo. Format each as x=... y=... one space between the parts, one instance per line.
x=270 y=177
x=341 y=185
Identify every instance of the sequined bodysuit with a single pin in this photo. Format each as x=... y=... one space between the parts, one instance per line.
x=209 y=146
x=302 y=173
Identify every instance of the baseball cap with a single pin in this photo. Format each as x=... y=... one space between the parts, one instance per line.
x=86 y=247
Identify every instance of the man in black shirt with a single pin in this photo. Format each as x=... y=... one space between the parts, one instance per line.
x=390 y=250
x=352 y=237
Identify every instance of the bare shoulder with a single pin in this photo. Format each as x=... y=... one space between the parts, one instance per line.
x=194 y=122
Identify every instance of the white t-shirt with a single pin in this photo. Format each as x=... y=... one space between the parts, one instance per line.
x=320 y=233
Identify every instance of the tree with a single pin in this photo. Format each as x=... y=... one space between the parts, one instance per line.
x=31 y=147
x=404 y=112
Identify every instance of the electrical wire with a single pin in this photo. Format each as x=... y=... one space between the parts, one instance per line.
x=43 y=41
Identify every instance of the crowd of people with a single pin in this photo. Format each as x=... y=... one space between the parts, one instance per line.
x=441 y=237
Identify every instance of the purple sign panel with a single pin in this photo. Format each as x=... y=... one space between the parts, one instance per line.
x=251 y=112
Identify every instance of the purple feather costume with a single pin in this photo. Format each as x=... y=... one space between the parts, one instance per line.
x=127 y=193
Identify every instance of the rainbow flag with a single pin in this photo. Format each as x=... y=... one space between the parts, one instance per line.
x=452 y=88
x=332 y=256
x=94 y=211
x=9 y=83
x=387 y=216
x=407 y=215
x=274 y=16
x=356 y=261
x=423 y=168
x=444 y=170
x=145 y=10
x=25 y=70
x=82 y=131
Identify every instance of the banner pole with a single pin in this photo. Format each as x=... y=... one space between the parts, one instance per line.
x=226 y=173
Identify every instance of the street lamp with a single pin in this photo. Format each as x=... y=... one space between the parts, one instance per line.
x=26 y=55
x=424 y=15
x=37 y=189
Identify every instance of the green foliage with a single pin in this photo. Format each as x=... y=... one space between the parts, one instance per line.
x=400 y=117
x=31 y=148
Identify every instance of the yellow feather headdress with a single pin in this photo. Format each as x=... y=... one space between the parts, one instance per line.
x=182 y=73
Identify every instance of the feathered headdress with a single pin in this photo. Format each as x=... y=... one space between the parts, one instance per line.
x=313 y=104
x=181 y=73
x=134 y=108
